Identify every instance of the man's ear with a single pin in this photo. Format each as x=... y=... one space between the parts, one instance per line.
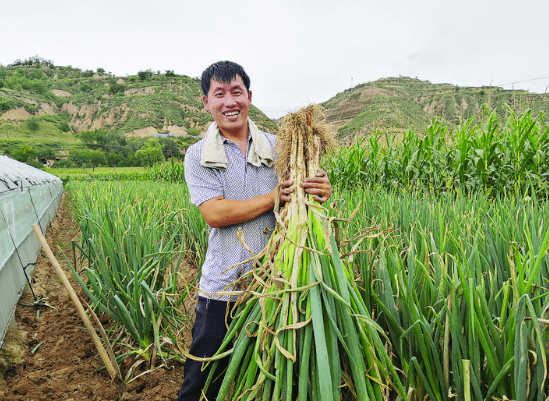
x=205 y=101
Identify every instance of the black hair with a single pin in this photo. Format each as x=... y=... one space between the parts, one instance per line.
x=223 y=71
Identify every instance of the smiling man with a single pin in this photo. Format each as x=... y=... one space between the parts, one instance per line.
x=228 y=103
x=231 y=179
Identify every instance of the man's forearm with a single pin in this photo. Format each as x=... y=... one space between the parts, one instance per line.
x=220 y=212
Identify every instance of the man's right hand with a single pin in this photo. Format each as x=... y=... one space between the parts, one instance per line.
x=286 y=188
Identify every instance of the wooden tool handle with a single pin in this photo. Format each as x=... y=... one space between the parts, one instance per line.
x=81 y=311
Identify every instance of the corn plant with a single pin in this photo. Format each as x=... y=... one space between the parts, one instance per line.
x=171 y=171
x=492 y=155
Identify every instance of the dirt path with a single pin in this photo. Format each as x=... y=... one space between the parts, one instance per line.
x=64 y=364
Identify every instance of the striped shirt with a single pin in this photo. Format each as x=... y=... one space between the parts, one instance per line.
x=239 y=181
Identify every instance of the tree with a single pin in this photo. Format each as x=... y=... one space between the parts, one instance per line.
x=96 y=137
x=88 y=137
x=169 y=147
x=87 y=158
x=78 y=158
x=101 y=138
x=150 y=154
x=46 y=153
x=24 y=153
x=97 y=158
x=116 y=159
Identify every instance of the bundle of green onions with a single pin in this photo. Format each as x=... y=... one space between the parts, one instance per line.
x=301 y=330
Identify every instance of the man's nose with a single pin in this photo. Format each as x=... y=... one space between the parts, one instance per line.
x=230 y=101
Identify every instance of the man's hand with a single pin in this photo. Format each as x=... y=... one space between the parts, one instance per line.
x=319 y=186
x=286 y=188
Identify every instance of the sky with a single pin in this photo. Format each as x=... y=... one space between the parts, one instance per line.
x=296 y=52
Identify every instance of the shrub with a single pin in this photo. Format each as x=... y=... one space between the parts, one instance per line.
x=33 y=124
x=117 y=88
x=86 y=87
x=6 y=105
x=34 y=163
x=143 y=75
x=63 y=126
x=24 y=153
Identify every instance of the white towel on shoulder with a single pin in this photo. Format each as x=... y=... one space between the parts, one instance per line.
x=213 y=151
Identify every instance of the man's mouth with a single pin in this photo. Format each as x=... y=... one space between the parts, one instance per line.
x=232 y=113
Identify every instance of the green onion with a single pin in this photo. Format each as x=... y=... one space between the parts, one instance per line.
x=314 y=334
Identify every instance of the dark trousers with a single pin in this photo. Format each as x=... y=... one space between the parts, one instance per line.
x=208 y=332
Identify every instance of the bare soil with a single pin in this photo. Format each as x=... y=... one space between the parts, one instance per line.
x=57 y=359
x=15 y=114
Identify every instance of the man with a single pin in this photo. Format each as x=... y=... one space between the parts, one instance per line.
x=231 y=179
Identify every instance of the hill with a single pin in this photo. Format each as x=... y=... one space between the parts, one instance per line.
x=403 y=102
x=54 y=108
x=44 y=105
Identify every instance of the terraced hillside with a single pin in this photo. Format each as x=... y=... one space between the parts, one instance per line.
x=401 y=103
x=66 y=101
x=62 y=102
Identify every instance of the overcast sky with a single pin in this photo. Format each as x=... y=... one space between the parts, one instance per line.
x=297 y=52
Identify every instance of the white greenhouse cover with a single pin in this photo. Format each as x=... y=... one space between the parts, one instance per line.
x=27 y=196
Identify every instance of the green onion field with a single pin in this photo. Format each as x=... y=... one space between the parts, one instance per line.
x=445 y=234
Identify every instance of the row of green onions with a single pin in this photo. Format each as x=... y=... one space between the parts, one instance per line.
x=136 y=239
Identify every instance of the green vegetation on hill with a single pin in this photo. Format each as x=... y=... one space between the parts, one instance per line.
x=406 y=103
x=49 y=107
x=95 y=100
x=53 y=109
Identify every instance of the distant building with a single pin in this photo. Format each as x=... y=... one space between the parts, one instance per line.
x=162 y=135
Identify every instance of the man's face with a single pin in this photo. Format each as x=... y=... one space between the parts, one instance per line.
x=229 y=103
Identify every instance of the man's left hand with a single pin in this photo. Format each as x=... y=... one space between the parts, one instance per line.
x=319 y=186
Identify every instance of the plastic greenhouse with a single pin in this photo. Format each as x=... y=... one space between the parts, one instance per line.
x=27 y=196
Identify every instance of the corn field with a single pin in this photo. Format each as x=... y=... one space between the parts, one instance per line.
x=497 y=156
x=443 y=234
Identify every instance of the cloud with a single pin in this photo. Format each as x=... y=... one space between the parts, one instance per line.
x=297 y=52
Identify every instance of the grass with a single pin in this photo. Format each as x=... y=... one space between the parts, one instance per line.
x=17 y=132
